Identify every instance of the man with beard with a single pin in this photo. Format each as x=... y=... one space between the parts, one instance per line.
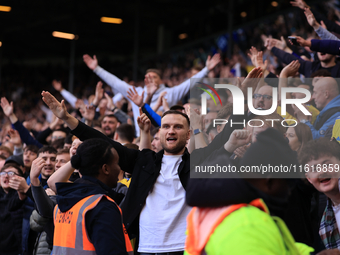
x=154 y=209
x=109 y=125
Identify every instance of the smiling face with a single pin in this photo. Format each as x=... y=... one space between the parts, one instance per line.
x=48 y=169
x=174 y=133
x=326 y=180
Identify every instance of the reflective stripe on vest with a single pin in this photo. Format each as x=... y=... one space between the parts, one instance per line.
x=191 y=243
x=70 y=235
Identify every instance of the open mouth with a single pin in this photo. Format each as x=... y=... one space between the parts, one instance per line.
x=325 y=180
x=171 y=139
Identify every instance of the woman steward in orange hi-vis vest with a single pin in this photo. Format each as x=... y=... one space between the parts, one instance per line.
x=87 y=219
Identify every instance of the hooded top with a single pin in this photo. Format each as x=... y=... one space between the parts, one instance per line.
x=104 y=222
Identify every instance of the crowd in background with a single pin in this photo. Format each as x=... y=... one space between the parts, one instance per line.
x=62 y=152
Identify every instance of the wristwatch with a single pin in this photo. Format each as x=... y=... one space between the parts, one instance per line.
x=197 y=131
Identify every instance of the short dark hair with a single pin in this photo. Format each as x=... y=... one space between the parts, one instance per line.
x=58 y=144
x=32 y=148
x=48 y=149
x=177 y=112
x=91 y=155
x=63 y=151
x=110 y=116
x=321 y=73
x=126 y=132
x=68 y=139
x=154 y=131
x=315 y=149
x=156 y=71
x=177 y=107
x=14 y=165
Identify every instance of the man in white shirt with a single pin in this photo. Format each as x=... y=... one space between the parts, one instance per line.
x=173 y=95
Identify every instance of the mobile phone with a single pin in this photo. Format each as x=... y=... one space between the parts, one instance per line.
x=293 y=40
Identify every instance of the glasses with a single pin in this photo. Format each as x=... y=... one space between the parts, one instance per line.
x=10 y=174
x=265 y=97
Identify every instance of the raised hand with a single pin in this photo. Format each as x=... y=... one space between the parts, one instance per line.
x=311 y=19
x=271 y=42
x=88 y=112
x=58 y=109
x=213 y=61
x=237 y=139
x=37 y=166
x=91 y=63
x=143 y=121
x=302 y=41
x=151 y=86
x=57 y=85
x=252 y=79
x=159 y=101
x=6 y=106
x=110 y=105
x=99 y=93
x=135 y=97
x=291 y=69
x=165 y=104
x=300 y=4
x=18 y=183
x=14 y=137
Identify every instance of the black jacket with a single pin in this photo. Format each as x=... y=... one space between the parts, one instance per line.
x=144 y=166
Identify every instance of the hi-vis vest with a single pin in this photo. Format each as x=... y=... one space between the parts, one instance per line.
x=70 y=235
x=210 y=218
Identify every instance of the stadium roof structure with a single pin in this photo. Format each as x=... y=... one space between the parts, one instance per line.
x=26 y=30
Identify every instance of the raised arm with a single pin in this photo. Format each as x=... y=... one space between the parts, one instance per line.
x=69 y=97
x=144 y=124
x=322 y=32
x=126 y=156
x=117 y=85
x=176 y=93
x=16 y=124
x=324 y=46
x=62 y=175
x=289 y=70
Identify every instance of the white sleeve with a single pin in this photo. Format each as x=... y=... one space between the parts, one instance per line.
x=176 y=93
x=69 y=97
x=117 y=98
x=48 y=112
x=117 y=85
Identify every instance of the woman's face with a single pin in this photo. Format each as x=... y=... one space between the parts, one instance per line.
x=294 y=142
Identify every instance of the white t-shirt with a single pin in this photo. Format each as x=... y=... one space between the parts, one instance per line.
x=162 y=221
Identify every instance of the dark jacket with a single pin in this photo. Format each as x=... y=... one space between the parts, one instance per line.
x=306 y=67
x=103 y=223
x=144 y=166
x=10 y=222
